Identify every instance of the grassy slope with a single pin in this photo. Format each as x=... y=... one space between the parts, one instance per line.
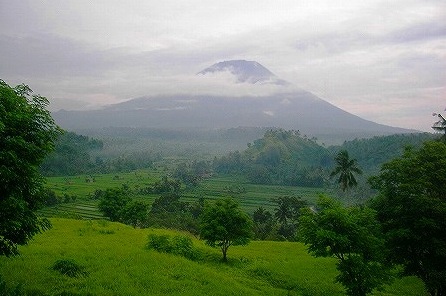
x=118 y=264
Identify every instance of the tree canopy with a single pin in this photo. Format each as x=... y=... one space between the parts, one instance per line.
x=224 y=224
x=280 y=157
x=411 y=206
x=351 y=235
x=27 y=135
x=71 y=155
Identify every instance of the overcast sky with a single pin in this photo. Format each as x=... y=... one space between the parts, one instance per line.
x=382 y=60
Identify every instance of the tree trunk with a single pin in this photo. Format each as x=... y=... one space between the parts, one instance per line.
x=224 y=249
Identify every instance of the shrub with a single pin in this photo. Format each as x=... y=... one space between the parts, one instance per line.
x=160 y=243
x=178 y=245
x=69 y=267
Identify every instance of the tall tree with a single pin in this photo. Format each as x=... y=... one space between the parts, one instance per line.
x=263 y=223
x=27 y=135
x=411 y=206
x=224 y=224
x=112 y=203
x=352 y=236
x=287 y=214
x=346 y=168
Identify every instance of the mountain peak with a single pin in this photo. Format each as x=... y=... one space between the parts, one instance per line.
x=245 y=72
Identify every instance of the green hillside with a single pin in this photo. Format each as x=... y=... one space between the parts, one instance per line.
x=116 y=262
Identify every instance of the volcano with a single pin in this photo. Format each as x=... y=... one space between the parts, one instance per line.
x=245 y=72
x=297 y=109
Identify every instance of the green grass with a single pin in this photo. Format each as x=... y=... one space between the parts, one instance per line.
x=79 y=186
x=116 y=262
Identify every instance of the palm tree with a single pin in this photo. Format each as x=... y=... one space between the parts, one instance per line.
x=346 y=168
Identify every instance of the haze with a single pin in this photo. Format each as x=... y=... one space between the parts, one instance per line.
x=382 y=60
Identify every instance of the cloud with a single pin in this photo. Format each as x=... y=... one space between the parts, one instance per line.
x=364 y=53
x=50 y=56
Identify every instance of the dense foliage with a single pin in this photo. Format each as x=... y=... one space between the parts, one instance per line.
x=112 y=203
x=27 y=135
x=280 y=157
x=412 y=209
x=351 y=235
x=224 y=224
x=372 y=153
x=76 y=154
x=71 y=155
x=167 y=209
x=288 y=158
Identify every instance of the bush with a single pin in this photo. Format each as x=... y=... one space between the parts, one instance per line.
x=69 y=267
x=178 y=245
x=160 y=243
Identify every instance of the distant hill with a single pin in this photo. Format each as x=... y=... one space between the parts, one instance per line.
x=279 y=157
x=298 y=110
x=373 y=152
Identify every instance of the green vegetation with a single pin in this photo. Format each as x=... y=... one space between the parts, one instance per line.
x=280 y=157
x=209 y=203
x=118 y=263
x=224 y=224
x=71 y=155
x=87 y=190
x=69 y=268
x=180 y=245
x=27 y=135
x=352 y=236
x=411 y=207
x=346 y=168
x=372 y=153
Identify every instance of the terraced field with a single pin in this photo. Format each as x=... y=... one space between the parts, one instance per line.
x=250 y=196
x=81 y=210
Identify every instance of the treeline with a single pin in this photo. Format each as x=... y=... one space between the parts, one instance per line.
x=280 y=157
x=288 y=158
x=71 y=155
x=169 y=210
x=76 y=154
x=372 y=153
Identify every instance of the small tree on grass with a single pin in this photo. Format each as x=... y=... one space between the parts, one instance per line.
x=224 y=224
x=351 y=235
x=135 y=214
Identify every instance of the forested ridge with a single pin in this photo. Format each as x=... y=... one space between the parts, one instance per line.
x=288 y=158
x=279 y=157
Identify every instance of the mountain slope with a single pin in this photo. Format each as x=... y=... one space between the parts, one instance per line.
x=299 y=110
